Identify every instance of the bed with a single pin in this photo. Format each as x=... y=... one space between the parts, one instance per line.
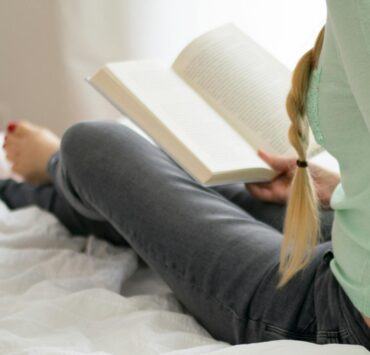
x=73 y=295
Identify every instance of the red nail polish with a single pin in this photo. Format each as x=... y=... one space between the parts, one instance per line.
x=11 y=127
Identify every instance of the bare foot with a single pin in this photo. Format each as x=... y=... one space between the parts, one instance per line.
x=29 y=147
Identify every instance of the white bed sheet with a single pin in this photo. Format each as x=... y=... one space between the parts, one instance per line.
x=61 y=295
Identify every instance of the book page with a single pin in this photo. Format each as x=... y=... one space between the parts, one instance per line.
x=243 y=82
x=182 y=111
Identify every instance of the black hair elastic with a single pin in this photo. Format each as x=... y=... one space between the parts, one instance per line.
x=302 y=163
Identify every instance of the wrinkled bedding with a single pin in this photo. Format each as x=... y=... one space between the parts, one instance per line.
x=66 y=295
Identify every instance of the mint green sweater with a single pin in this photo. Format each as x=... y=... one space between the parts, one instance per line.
x=338 y=109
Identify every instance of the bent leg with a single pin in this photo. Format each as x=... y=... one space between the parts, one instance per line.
x=220 y=262
x=270 y=213
x=22 y=194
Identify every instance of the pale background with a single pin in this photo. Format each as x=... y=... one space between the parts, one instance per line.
x=48 y=47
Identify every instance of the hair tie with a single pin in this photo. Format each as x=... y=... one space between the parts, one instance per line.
x=302 y=163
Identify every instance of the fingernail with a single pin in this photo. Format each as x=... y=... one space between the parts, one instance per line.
x=11 y=127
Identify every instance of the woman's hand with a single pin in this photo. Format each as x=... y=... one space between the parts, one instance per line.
x=278 y=189
x=325 y=182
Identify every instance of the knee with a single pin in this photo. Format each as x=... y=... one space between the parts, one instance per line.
x=89 y=144
x=81 y=143
x=77 y=139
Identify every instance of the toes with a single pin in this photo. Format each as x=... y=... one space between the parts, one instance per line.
x=11 y=127
x=5 y=141
x=11 y=153
x=10 y=140
x=20 y=128
x=11 y=147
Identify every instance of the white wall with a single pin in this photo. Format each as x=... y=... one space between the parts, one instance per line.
x=47 y=47
x=287 y=28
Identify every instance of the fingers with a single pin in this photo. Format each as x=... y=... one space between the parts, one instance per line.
x=268 y=192
x=277 y=162
x=260 y=192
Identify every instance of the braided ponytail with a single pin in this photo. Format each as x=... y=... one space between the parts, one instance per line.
x=302 y=222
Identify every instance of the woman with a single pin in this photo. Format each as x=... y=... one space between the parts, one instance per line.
x=219 y=249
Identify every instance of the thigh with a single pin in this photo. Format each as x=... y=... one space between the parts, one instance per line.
x=268 y=212
x=214 y=255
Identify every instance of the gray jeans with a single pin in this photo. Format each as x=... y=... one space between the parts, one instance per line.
x=217 y=248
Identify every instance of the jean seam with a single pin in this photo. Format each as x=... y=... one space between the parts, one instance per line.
x=289 y=333
x=333 y=333
x=349 y=329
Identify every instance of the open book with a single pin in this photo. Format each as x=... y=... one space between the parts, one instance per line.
x=222 y=99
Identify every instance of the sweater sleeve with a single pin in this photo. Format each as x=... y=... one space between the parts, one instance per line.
x=350 y=20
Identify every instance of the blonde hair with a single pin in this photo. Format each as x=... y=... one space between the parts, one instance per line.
x=302 y=223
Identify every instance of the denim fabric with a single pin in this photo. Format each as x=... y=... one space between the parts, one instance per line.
x=217 y=248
